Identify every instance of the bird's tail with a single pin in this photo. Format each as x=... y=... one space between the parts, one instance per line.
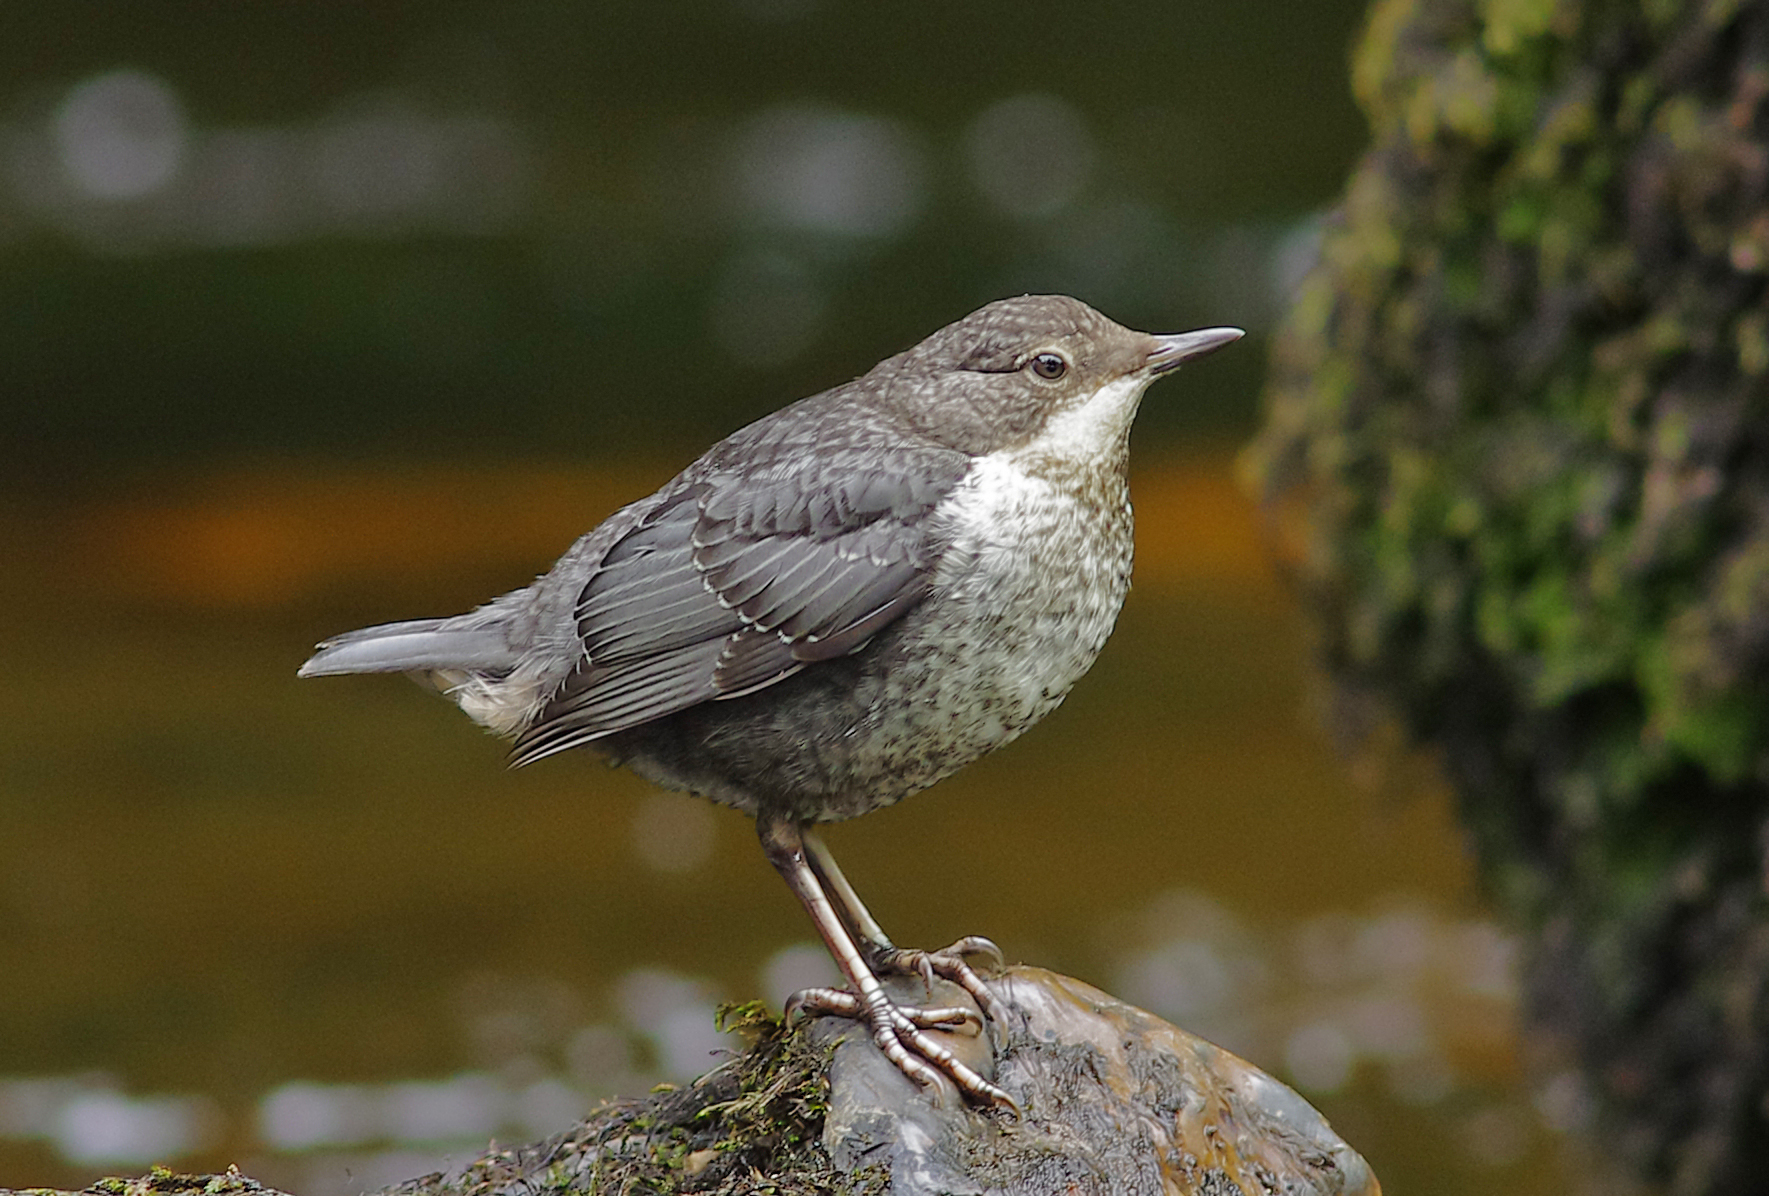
x=418 y=646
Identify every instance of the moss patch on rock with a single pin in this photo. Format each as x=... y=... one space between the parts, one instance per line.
x=753 y=1125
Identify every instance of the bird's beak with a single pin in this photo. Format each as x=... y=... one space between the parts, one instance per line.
x=1177 y=347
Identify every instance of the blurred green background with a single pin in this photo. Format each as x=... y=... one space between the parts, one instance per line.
x=379 y=228
x=317 y=316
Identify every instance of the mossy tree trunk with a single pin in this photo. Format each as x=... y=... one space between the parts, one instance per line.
x=1523 y=400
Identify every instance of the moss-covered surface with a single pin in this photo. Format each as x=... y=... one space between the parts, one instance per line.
x=753 y=1126
x=750 y=1128
x=163 y=1181
x=1524 y=402
x=1114 y=1101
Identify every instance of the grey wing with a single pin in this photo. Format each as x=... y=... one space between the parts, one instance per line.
x=732 y=584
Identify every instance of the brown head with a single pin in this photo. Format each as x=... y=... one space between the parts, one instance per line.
x=1043 y=374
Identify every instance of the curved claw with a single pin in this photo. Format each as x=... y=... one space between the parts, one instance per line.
x=976 y=944
x=949 y=963
x=899 y=1031
x=948 y=1017
x=809 y=1002
x=902 y=1033
x=897 y=1036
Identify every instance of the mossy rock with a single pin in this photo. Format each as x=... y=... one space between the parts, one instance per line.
x=1521 y=408
x=1112 y=1101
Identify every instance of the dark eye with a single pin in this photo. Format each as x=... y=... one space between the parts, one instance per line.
x=1049 y=365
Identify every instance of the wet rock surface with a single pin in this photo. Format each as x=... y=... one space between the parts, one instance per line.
x=1112 y=1100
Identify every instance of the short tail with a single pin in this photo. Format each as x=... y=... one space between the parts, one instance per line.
x=413 y=647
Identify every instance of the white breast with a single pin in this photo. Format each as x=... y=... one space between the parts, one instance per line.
x=1044 y=572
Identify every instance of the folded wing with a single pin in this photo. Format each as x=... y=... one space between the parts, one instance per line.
x=733 y=583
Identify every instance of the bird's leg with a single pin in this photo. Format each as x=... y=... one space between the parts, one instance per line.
x=947 y=962
x=847 y=902
x=899 y=1032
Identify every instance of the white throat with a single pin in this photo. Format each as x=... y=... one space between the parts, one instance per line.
x=1094 y=428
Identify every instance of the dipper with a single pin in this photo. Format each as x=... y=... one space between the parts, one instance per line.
x=835 y=607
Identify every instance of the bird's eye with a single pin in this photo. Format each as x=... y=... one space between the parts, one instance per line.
x=1049 y=365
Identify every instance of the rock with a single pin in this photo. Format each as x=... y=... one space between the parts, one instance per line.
x=1114 y=1100
x=162 y=1181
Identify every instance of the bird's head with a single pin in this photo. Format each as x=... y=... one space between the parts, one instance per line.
x=1044 y=375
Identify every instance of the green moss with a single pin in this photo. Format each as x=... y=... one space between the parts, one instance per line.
x=1522 y=398
x=165 y=1180
x=1509 y=24
x=752 y=1126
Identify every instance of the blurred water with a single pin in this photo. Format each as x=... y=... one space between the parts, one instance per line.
x=315 y=928
x=518 y=227
x=1404 y=1003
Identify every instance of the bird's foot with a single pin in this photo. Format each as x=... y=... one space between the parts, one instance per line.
x=949 y=964
x=900 y=1031
x=839 y=1002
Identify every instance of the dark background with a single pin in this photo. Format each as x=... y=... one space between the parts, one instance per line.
x=557 y=287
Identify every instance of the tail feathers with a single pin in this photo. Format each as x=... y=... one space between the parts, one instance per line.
x=412 y=647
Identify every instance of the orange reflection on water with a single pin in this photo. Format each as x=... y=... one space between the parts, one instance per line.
x=276 y=536
x=297 y=875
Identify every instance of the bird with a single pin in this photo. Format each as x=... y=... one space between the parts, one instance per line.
x=833 y=608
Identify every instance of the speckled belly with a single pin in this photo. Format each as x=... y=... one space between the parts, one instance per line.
x=1023 y=602
x=999 y=645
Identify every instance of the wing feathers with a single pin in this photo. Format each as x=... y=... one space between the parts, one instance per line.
x=411 y=647
x=753 y=660
x=679 y=616
x=623 y=698
x=733 y=584
x=752 y=573
x=785 y=590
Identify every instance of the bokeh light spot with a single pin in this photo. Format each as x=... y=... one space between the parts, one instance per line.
x=826 y=171
x=1030 y=155
x=802 y=965
x=1319 y=1057
x=120 y=135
